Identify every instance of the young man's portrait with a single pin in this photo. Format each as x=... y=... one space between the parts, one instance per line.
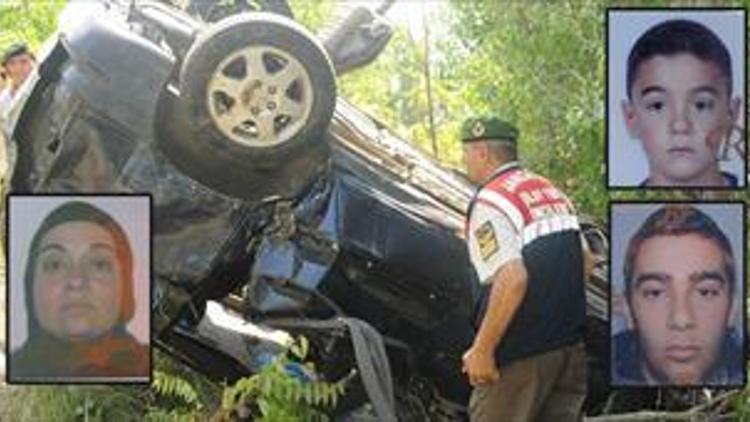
x=676 y=87
x=79 y=289
x=677 y=294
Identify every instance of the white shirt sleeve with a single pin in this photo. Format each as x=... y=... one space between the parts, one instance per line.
x=493 y=240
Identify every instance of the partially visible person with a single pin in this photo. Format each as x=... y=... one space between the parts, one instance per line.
x=18 y=62
x=527 y=361
x=680 y=286
x=79 y=291
x=16 y=66
x=680 y=104
x=3 y=164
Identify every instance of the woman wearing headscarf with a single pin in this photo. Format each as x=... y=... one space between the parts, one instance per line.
x=79 y=296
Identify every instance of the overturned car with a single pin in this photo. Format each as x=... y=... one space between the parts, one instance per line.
x=277 y=208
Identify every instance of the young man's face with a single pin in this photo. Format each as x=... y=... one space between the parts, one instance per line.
x=680 y=110
x=680 y=303
x=18 y=68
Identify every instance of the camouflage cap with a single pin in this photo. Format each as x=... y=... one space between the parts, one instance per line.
x=487 y=127
x=13 y=50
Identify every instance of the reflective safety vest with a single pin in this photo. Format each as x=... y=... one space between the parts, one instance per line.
x=553 y=311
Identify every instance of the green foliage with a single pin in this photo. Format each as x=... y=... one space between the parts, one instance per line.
x=281 y=397
x=741 y=405
x=542 y=66
x=74 y=403
x=314 y=14
x=33 y=403
x=172 y=385
x=179 y=393
x=31 y=21
x=174 y=415
x=393 y=89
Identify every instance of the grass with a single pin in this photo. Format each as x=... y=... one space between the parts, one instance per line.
x=113 y=403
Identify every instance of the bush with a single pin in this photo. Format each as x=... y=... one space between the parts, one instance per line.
x=277 y=395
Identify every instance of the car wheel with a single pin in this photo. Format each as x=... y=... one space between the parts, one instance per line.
x=256 y=95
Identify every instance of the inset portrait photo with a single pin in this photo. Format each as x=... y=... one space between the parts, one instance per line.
x=79 y=289
x=677 y=294
x=676 y=97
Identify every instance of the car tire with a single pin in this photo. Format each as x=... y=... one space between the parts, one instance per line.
x=256 y=95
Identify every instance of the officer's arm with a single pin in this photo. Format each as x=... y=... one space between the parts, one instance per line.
x=507 y=291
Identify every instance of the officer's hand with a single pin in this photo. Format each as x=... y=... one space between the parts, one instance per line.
x=480 y=366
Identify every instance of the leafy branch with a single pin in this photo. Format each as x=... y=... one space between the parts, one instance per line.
x=279 y=394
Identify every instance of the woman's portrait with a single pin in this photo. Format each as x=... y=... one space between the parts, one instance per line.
x=81 y=284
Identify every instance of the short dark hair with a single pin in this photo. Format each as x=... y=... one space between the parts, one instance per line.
x=679 y=36
x=678 y=220
x=15 y=50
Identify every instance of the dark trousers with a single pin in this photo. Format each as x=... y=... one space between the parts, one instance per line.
x=546 y=387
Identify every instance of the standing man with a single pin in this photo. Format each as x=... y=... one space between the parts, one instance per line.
x=17 y=64
x=527 y=361
x=3 y=83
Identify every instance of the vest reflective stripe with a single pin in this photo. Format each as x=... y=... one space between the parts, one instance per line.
x=531 y=202
x=548 y=226
x=553 y=313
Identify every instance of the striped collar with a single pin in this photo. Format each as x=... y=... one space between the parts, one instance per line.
x=495 y=174
x=498 y=171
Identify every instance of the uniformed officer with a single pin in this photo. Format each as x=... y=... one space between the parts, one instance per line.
x=527 y=361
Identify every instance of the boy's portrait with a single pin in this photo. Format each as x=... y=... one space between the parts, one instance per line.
x=79 y=289
x=677 y=295
x=675 y=91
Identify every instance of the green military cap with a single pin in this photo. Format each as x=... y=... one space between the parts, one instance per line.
x=487 y=127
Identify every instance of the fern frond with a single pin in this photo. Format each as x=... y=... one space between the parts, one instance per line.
x=170 y=385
